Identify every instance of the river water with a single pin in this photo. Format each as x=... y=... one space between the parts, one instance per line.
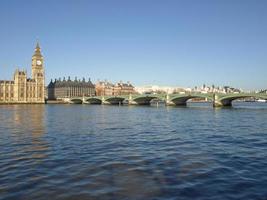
x=133 y=152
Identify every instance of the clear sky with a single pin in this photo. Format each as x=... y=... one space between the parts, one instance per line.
x=164 y=42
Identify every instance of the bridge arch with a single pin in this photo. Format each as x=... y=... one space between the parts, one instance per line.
x=227 y=100
x=114 y=100
x=182 y=99
x=93 y=100
x=143 y=100
x=76 y=101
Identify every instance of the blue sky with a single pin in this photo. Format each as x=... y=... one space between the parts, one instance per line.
x=164 y=42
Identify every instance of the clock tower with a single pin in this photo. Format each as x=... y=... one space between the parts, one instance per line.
x=38 y=74
x=37 y=62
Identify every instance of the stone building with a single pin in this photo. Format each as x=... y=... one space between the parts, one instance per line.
x=123 y=88
x=22 y=89
x=59 y=89
x=105 y=88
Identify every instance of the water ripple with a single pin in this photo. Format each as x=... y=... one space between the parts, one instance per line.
x=106 y=152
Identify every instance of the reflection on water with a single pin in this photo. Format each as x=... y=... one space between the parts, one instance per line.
x=23 y=148
x=29 y=120
x=111 y=152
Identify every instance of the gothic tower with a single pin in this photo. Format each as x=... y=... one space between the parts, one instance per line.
x=38 y=74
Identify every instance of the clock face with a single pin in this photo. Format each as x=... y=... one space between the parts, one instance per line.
x=38 y=62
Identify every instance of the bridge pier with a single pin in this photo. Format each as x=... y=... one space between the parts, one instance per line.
x=131 y=101
x=103 y=101
x=216 y=101
x=220 y=103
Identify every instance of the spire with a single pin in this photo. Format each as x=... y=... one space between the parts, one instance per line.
x=37 y=45
x=37 y=51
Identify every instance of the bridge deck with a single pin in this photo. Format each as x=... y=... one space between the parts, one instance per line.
x=177 y=99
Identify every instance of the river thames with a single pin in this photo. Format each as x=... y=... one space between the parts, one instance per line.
x=133 y=152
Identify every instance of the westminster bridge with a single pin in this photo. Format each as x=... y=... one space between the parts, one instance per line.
x=218 y=99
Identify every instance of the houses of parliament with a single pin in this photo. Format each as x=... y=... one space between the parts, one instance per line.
x=32 y=90
x=23 y=89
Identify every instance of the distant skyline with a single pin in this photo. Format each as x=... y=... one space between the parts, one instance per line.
x=163 y=42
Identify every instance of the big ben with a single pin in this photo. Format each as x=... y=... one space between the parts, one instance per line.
x=22 y=89
x=38 y=74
